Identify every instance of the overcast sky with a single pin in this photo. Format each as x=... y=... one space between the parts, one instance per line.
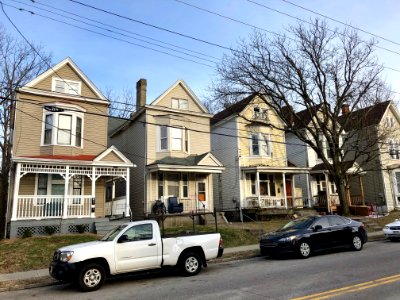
x=116 y=61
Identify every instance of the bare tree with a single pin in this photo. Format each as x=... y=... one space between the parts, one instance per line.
x=316 y=70
x=19 y=63
x=122 y=104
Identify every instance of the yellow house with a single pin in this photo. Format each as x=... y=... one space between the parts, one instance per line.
x=169 y=140
x=248 y=138
x=60 y=156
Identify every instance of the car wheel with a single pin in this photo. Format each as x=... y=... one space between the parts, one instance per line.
x=304 y=249
x=356 y=243
x=190 y=264
x=91 y=277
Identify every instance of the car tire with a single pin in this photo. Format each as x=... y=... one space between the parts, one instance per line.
x=304 y=249
x=91 y=277
x=190 y=264
x=356 y=243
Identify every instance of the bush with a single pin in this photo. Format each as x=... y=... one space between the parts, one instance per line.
x=27 y=233
x=50 y=230
x=80 y=228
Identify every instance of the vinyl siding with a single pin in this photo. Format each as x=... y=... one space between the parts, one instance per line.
x=180 y=93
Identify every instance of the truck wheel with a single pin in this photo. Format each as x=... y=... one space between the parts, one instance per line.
x=190 y=264
x=91 y=277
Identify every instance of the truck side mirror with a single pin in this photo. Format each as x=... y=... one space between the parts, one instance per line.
x=123 y=238
x=317 y=227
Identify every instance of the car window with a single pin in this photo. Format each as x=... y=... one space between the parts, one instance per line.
x=323 y=221
x=139 y=233
x=298 y=224
x=336 y=221
x=113 y=233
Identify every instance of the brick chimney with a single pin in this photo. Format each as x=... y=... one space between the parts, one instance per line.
x=345 y=109
x=141 y=88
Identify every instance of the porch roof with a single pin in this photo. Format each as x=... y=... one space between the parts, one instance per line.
x=269 y=169
x=352 y=168
x=204 y=163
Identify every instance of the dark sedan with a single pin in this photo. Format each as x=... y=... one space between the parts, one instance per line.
x=315 y=233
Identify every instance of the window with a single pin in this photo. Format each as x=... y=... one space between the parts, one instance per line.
x=389 y=122
x=176 y=139
x=264 y=188
x=394 y=149
x=253 y=184
x=260 y=114
x=260 y=144
x=185 y=186
x=64 y=129
x=160 y=185
x=332 y=185
x=173 y=139
x=321 y=183
x=180 y=104
x=66 y=86
x=50 y=184
x=173 y=184
x=201 y=190
x=77 y=189
x=139 y=233
x=323 y=221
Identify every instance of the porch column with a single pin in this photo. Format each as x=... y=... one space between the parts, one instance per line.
x=16 y=190
x=258 y=187
x=309 y=191
x=244 y=191
x=361 y=190
x=328 y=195
x=66 y=200
x=93 y=205
x=127 y=204
x=284 y=189
x=294 y=192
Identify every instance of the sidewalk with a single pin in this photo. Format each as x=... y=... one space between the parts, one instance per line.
x=35 y=278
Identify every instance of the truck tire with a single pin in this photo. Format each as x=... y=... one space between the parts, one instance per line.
x=190 y=264
x=91 y=277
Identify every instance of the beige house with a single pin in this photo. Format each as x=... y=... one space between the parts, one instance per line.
x=248 y=139
x=61 y=161
x=169 y=140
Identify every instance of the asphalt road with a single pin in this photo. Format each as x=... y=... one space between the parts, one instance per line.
x=372 y=273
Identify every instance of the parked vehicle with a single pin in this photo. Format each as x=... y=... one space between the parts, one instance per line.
x=315 y=233
x=132 y=247
x=392 y=230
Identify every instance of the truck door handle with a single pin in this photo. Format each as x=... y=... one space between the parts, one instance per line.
x=152 y=244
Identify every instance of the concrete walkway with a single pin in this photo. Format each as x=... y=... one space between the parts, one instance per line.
x=44 y=273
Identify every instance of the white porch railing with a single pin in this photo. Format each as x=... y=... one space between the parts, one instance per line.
x=49 y=207
x=265 y=202
x=115 y=207
x=189 y=205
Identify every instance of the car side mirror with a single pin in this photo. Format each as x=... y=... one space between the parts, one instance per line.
x=317 y=227
x=123 y=238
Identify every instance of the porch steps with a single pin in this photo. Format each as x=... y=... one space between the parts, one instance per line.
x=105 y=225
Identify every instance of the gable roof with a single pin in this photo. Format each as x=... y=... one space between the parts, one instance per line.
x=187 y=89
x=70 y=62
x=371 y=115
x=235 y=108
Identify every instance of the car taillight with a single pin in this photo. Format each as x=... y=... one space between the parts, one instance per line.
x=220 y=242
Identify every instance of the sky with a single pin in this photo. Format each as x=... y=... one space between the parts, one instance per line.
x=130 y=49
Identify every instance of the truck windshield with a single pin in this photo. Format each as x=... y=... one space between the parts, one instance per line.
x=113 y=233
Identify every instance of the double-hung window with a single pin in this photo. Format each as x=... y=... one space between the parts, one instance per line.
x=173 y=139
x=394 y=149
x=260 y=144
x=62 y=128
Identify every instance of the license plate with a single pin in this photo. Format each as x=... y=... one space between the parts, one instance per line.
x=396 y=231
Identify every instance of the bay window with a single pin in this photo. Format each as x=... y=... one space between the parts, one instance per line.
x=63 y=129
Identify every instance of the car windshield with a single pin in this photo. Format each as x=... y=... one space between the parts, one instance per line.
x=298 y=224
x=113 y=233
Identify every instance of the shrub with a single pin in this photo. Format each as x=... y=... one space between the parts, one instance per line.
x=27 y=233
x=80 y=228
x=50 y=230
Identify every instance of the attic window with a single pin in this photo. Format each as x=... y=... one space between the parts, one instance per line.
x=180 y=104
x=66 y=86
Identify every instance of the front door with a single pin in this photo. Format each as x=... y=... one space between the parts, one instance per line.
x=289 y=195
x=137 y=250
x=202 y=192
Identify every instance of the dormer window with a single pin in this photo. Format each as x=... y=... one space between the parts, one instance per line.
x=390 y=122
x=62 y=128
x=180 y=104
x=66 y=86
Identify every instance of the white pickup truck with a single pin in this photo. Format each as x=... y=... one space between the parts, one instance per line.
x=133 y=246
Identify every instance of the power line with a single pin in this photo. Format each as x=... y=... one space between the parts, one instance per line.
x=112 y=37
x=343 y=23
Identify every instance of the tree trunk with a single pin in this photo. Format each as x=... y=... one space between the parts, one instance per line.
x=3 y=205
x=342 y=197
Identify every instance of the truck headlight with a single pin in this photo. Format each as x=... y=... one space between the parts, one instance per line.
x=66 y=256
x=287 y=239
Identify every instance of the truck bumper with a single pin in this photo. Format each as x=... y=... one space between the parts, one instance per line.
x=63 y=271
x=220 y=251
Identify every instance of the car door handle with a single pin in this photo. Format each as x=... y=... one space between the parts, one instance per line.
x=152 y=244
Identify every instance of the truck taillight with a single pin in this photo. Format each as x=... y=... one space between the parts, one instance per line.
x=220 y=242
